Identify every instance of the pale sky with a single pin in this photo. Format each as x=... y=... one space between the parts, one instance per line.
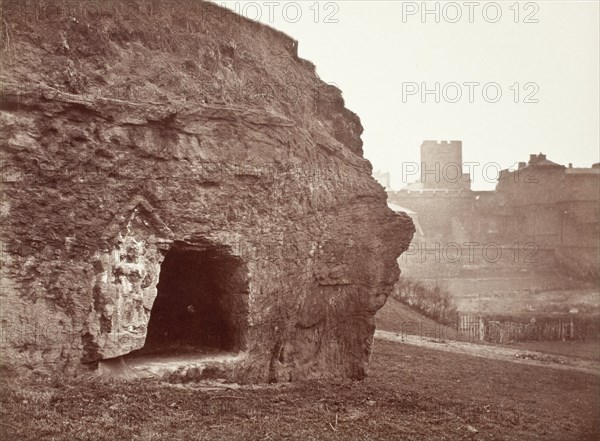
x=376 y=49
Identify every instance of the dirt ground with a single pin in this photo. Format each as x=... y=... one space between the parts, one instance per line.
x=495 y=352
x=411 y=393
x=418 y=388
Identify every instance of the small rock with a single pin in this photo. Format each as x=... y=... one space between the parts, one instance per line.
x=472 y=429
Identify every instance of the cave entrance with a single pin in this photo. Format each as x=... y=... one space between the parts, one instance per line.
x=202 y=302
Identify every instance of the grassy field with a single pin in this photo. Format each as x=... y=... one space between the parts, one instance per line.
x=589 y=350
x=411 y=393
x=527 y=294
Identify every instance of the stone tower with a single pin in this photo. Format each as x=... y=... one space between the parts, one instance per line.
x=441 y=166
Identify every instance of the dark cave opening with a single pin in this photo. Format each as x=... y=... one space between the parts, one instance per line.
x=201 y=302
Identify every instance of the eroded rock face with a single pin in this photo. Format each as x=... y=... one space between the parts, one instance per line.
x=188 y=178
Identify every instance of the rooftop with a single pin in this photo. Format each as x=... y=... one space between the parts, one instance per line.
x=541 y=161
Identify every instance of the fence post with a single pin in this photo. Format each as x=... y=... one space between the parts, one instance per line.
x=572 y=330
x=481 y=329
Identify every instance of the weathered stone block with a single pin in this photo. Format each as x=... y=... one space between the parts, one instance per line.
x=184 y=212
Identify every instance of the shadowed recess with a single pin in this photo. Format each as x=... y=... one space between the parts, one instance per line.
x=201 y=301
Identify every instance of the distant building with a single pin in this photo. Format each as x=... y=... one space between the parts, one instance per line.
x=383 y=178
x=553 y=206
x=441 y=166
x=555 y=209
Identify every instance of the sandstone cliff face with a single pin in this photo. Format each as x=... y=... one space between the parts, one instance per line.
x=174 y=146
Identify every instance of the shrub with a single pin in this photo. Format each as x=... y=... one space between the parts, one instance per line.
x=432 y=300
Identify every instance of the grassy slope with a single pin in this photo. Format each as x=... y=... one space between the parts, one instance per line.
x=411 y=393
x=397 y=317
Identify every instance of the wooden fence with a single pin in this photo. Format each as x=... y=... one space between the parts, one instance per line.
x=471 y=327
x=503 y=330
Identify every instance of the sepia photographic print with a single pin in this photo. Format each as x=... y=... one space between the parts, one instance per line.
x=299 y=220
